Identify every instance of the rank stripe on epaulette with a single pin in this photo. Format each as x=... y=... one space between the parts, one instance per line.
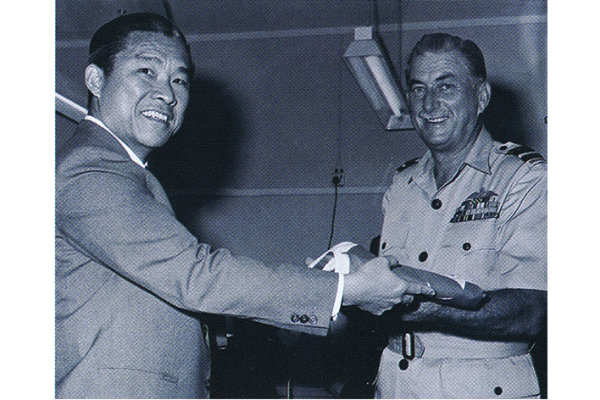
x=407 y=164
x=519 y=150
x=532 y=156
x=525 y=154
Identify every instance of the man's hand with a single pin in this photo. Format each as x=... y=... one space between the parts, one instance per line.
x=376 y=289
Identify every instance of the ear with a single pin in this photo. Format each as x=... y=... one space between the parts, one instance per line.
x=94 y=79
x=484 y=93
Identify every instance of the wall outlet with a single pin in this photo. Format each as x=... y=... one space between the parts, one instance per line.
x=339 y=177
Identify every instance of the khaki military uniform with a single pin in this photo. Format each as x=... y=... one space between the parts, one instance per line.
x=487 y=225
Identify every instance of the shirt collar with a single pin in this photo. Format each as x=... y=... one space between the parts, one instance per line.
x=130 y=152
x=479 y=155
x=478 y=158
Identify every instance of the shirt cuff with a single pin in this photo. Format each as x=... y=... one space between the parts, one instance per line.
x=338 y=298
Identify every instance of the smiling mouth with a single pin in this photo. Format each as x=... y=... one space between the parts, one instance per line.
x=435 y=120
x=155 y=115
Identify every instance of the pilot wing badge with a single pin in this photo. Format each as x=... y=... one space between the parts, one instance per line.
x=479 y=205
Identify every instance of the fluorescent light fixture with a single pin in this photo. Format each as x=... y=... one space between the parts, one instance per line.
x=369 y=66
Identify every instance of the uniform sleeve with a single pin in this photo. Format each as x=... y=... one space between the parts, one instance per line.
x=107 y=213
x=522 y=240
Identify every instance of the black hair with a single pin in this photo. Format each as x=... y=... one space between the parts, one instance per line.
x=111 y=38
x=443 y=42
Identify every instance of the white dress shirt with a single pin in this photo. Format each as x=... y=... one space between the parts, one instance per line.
x=132 y=155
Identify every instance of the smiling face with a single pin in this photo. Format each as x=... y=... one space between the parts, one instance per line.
x=445 y=100
x=144 y=98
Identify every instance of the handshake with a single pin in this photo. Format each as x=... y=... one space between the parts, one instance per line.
x=378 y=284
x=376 y=289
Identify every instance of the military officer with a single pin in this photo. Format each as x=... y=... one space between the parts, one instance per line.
x=475 y=210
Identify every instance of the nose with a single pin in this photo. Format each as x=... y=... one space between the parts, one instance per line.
x=429 y=100
x=164 y=91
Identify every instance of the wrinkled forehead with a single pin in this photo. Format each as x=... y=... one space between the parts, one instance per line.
x=439 y=63
x=157 y=44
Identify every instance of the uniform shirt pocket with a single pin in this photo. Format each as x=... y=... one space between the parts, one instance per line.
x=468 y=252
x=394 y=243
x=511 y=377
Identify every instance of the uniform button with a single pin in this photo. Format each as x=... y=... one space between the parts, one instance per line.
x=498 y=390
x=295 y=318
x=403 y=364
x=423 y=256
x=436 y=204
x=304 y=318
x=383 y=245
x=466 y=246
x=313 y=319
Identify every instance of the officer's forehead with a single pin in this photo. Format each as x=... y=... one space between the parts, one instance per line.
x=442 y=62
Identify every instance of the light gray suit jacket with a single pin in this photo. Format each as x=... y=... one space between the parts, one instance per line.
x=132 y=282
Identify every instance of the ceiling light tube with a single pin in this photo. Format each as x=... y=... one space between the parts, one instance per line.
x=369 y=66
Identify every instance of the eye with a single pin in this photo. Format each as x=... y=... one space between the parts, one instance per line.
x=180 y=81
x=146 y=71
x=417 y=90
x=444 y=87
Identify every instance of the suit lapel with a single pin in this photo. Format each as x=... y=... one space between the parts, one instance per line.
x=100 y=137
x=156 y=188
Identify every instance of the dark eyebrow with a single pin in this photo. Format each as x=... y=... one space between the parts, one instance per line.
x=149 y=58
x=449 y=75
x=185 y=70
x=445 y=76
x=413 y=81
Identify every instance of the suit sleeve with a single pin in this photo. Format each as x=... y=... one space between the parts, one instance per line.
x=105 y=210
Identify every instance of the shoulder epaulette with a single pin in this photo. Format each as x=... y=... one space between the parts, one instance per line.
x=525 y=153
x=407 y=164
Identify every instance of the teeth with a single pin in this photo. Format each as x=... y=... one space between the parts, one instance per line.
x=434 y=120
x=155 y=115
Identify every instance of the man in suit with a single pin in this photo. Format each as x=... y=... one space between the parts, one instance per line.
x=131 y=281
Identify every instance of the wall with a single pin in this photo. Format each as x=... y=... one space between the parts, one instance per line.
x=298 y=115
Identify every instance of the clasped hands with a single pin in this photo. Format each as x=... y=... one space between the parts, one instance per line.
x=376 y=289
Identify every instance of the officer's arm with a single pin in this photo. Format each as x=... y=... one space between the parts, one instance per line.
x=507 y=314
